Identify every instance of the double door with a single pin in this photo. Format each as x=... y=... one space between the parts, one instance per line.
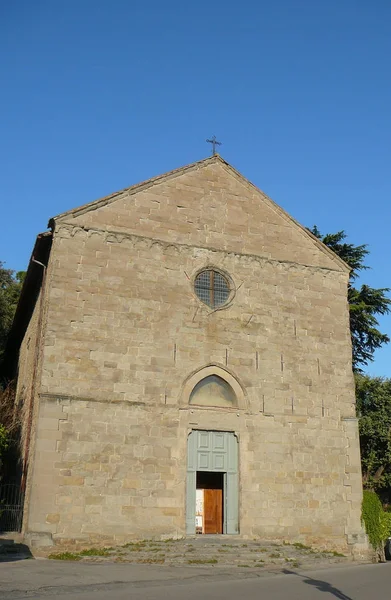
x=212 y=466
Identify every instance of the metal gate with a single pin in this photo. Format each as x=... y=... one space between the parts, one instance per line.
x=11 y=507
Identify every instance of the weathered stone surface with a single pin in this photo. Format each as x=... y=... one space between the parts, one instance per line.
x=124 y=332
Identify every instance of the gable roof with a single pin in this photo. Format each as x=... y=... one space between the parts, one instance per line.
x=192 y=167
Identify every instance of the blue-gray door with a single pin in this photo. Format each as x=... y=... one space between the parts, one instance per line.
x=213 y=451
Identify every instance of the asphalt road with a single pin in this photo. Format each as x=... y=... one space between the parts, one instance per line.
x=41 y=580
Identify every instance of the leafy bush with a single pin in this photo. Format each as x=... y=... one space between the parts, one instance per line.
x=386 y=524
x=4 y=440
x=377 y=522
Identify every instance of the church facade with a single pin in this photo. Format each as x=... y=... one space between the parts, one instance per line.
x=185 y=367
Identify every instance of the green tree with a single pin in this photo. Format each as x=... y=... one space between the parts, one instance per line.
x=10 y=287
x=4 y=440
x=366 y=303
x=373 y=397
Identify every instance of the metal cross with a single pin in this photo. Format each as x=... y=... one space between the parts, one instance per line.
x=214 y=143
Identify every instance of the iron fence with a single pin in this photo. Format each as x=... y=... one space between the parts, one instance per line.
x=11 y=507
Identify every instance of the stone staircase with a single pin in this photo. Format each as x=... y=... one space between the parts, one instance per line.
x=213 y=551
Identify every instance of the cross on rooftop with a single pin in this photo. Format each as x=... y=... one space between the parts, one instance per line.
x=214 y=143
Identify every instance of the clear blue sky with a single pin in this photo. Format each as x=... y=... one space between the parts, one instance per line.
x=98 y=95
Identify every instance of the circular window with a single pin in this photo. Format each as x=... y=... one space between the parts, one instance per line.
x=212 y=288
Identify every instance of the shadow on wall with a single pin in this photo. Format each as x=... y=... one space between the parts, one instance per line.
x=320 y=585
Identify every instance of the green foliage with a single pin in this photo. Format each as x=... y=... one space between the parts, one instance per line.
x=4 y=440
x=95 y=552
x=10 y=287
x=365 y=303
x=373 y=398
x=376 y=521
x=386 y=524
x=81 y=554
x=199 y=561
x=301 y=546
x=65 y=556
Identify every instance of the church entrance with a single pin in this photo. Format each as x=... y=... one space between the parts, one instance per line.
x=212 y=492
x=209 y=502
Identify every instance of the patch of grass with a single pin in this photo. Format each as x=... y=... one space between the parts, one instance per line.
x=228 y=545
x=301 y=546
x=65 y=556
x=296 y=564
x=191 y=549
x=151 y=561
x=95 y=552
x=246 y=566
x=139 y=542
x=334 y=553
x=134 y=547
x=82 y=554
x=151 y=542
x=200 y=561
x=222 y=550
x=275 y=555
x=244 y=545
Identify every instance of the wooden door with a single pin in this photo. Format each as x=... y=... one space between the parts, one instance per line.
x=213 y=511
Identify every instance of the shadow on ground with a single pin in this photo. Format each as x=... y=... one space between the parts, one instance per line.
x=320 y=585
x=11 y=551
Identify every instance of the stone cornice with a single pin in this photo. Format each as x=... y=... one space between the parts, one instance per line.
x=116 y=236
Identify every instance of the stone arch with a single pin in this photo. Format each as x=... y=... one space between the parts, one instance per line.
x=214 y=379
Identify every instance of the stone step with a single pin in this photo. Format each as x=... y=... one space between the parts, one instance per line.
x=218 y=552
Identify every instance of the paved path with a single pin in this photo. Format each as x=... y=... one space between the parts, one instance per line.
x=43 y=579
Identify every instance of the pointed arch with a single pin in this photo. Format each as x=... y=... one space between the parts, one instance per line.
x=213 y=386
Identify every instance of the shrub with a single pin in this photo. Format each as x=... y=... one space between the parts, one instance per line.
x=4 y=440
x=386 y=524
x=377 y=522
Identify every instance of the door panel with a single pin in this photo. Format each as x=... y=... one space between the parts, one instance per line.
x=190 y=502
x=213 y=511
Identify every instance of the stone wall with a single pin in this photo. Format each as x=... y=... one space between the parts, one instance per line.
x=112 y=466
x=27 y=371
x=125 y=332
